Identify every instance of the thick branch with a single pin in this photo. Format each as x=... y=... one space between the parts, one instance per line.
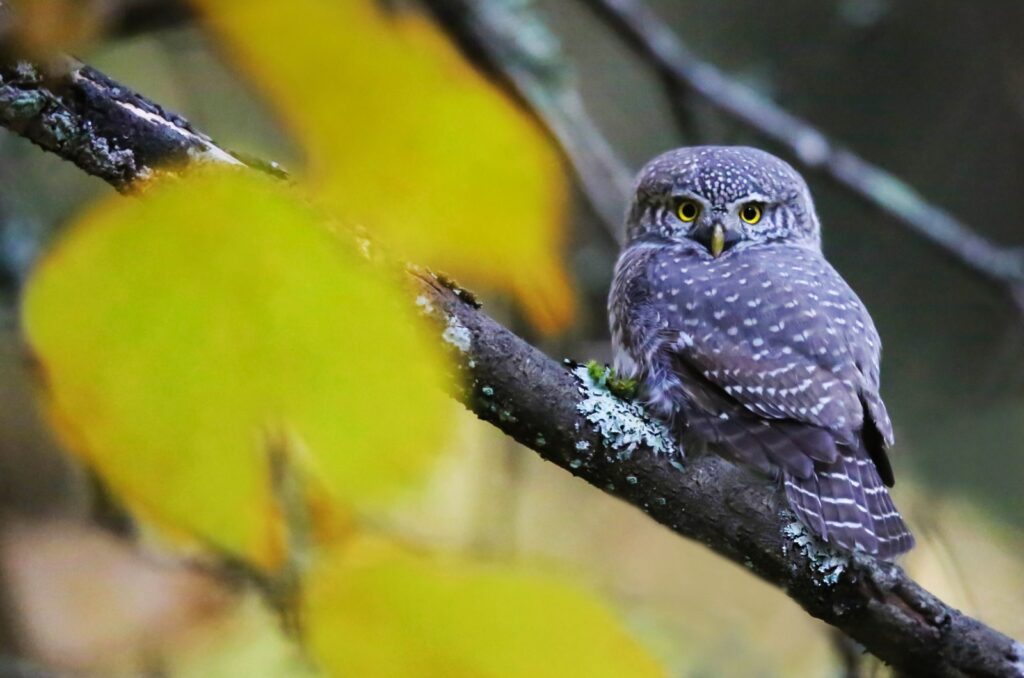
x=658 y=44
x=551 y=409
x=106 y=129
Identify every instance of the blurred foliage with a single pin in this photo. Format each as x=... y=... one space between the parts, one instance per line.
x=402 y=135
x=246 y=379
x=183 y=340
x=375 y=609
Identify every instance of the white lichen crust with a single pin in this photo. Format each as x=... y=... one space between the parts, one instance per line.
x=826 y=564
x=423 y=303
x=623 y=425
x=457 y=334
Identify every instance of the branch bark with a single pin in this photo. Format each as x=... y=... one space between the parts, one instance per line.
x=104 y=128
x=552 y=408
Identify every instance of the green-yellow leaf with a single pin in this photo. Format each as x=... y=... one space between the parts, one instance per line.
x=186 y=335
x=407 y=140
x=375 y=609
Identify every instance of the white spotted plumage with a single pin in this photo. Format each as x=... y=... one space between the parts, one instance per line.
x=763 y=351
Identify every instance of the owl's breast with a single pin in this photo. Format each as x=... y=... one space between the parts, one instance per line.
x=764 y=302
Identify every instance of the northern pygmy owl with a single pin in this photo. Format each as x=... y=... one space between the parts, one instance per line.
x=742 y=336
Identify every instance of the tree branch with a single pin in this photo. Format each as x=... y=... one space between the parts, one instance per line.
x=104 y=128
x=656 y=43
x=554 y=410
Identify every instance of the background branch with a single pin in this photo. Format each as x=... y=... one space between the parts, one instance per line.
x=548 y=407
x=512 y=42
x=659 y=45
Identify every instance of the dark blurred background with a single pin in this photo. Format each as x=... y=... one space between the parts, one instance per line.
x=932 y=90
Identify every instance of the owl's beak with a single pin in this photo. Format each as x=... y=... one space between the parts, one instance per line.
x=716 y=238
x=717 y=243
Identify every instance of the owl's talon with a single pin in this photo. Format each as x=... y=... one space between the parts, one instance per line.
x=605 y=377
x=623 y=388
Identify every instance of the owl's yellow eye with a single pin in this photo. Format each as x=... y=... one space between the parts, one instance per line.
x=688 y=210
x=751 y=213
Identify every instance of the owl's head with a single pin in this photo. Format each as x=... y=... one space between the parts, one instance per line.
x=718 y=199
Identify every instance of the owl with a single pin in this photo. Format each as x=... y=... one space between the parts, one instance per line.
x=741 y=336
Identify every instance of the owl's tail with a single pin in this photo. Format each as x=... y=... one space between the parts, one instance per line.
x=846 y=504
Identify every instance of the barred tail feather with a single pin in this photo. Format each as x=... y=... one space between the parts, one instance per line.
x=795 y=448
x=846 y=504
x=894 y=537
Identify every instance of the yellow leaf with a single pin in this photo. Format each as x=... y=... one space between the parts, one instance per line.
x=374 y=609
x=406 y=139
x=185 y=334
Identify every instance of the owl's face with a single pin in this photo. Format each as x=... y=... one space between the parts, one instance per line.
x=719 y=200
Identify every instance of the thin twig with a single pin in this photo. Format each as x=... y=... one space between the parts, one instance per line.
x=611 y=445
x=658 y=44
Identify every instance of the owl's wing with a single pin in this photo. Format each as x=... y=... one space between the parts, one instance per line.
x=771 y=376
x=776 y=333
x=754 y=409
x=784 y=386
x=866 y=349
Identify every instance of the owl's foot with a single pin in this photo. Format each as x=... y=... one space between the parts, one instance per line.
x=605 y=377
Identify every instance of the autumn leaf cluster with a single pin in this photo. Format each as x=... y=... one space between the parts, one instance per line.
x=254 y=388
